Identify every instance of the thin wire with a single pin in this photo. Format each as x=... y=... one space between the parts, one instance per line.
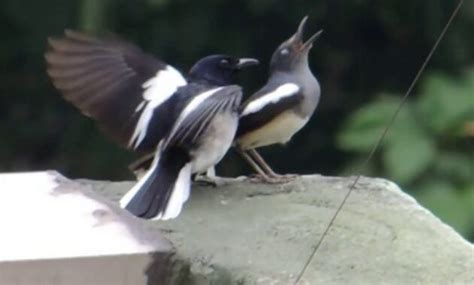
x=381 y=138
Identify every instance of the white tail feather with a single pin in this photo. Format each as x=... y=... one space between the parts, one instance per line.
x=179 y=194
x=132 y=192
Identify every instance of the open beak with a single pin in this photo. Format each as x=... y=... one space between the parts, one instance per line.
x=309 y=43
x=245 y=62
x=297 y=38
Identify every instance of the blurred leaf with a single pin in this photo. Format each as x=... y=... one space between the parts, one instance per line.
x=363 y=128
x=469 y=199
x=406 y=159
x=469 y=81
x=456 y=166
x=409 y=151
x=445 y=104
x=445 y=202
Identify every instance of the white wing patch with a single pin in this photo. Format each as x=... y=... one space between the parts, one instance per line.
x=193 y=105
x=281 y=92
x=163 y=85
x=157 y=90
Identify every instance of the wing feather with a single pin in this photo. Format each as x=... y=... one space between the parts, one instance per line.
x=189 y=129
x=104 y=78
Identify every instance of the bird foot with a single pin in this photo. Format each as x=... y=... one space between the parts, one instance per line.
x=206 y=181
x=288 y=176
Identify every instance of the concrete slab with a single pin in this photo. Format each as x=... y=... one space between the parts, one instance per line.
x=56 y=231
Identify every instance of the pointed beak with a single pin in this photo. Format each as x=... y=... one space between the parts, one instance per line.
x=297 y=38
x=245 y=62
x=309 y=43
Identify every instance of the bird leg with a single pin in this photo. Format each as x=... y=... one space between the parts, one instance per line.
x=259 y=159
x=268 y=170
x=250 y=161
x=262 y=175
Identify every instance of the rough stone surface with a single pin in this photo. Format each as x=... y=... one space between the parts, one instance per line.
x=247 y=233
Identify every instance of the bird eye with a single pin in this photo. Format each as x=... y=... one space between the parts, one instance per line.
x=284 y=51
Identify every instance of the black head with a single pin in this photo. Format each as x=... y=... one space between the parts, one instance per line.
x=219 y=69
x=293 y=53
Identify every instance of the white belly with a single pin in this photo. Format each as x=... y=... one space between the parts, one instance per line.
x=279 y=130
x=217 y=140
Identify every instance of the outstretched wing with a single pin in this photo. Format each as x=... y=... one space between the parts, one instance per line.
x=200 y=112
x=267 y=104
x=113 y=82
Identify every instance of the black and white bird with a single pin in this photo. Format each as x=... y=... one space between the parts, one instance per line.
x=283 y=106
x=145 y=104
x=200 y=137
x=131 y=94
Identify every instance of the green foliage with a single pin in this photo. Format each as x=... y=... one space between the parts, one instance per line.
x=427 y=150
x=454 y=206
x=364 y=127
x=409 y=156
x=447 y=103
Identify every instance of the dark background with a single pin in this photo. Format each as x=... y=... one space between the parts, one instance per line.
x=368 y=55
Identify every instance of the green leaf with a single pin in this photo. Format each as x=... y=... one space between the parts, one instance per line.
x=408 y=149
x=445 y=104
x=445 y=202
x=455 y=165
x=469 y=81
x=363 y=128
x=468 y=197
x=407 y=158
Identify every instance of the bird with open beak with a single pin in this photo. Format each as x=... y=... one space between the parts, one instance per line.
x=282 y=106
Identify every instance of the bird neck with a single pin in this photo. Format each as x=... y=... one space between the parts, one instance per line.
x=300 y=65
x=295 y=71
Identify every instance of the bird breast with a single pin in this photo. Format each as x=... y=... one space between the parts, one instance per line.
x=311 y=92
x=216 y=141
x=278 y=130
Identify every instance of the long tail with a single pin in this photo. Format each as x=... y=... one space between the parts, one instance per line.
x=161 y=193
